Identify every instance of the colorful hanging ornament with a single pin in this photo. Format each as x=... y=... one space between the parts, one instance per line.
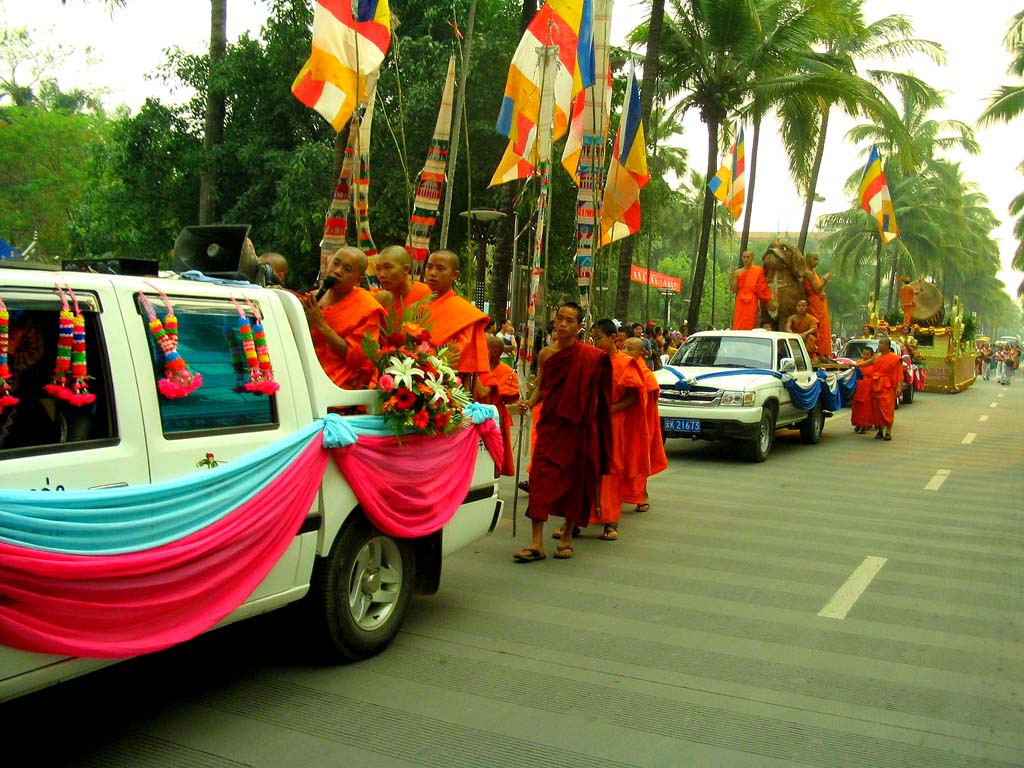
x=264 y=384
x=58 y=386
x=178 y=380
x=78 y=392
x=6 y=398
x=259 y=382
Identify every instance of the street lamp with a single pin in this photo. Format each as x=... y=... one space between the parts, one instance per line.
x=481 y=220
x=668 y=293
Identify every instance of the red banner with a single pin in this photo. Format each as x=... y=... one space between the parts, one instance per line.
x=655 y=279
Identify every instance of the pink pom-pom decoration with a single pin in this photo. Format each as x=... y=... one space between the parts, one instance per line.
x=178 y=380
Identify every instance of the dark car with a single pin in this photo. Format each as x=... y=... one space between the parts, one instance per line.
x=911 y=372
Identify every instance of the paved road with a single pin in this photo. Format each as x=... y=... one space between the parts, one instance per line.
x=694 y=640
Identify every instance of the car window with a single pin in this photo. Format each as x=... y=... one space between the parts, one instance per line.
x=42 y=420
x=209 y=341
x=798 y=355
x=725 y=352
x=853 y=349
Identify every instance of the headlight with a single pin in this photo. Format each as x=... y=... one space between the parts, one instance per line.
x=737 y=398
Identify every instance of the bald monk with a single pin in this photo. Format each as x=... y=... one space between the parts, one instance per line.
x=636 y=493
x=573 y=445
x=278 y=265
x=886 y=385
x=817 y=305
x=802 y=322
x=500 y=387
x=453 y=319
x=908 y=303
x=398 y=293
x=861 y=414
x=342 y=318
x=750 y=286
x=630 y=459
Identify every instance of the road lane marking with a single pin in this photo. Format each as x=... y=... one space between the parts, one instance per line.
x=844 y=598
x=936 y=482
x=993 y=405
x=983 y=418
x=999 y=395
x=969 y=438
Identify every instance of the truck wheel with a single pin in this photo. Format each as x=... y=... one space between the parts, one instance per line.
x=759 y=449
x=908 y=394
x=363 y=589
x=810 y=428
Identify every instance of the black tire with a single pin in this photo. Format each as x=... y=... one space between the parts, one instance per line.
x=811 y=427
x=362 y=590
x=759 y=448
x=908 y=394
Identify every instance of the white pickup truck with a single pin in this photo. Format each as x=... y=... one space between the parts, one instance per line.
x=358 y=579
x=728 y=385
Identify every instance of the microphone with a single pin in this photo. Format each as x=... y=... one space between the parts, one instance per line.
x=325 y=286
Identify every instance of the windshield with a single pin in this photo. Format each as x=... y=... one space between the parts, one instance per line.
x=725 y=352
x=853 y=349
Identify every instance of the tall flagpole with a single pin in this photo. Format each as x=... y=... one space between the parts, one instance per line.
x=460 y=99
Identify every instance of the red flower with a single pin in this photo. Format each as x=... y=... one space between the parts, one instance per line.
x=395 y=340
x=421 y=419
x=424 y=336
x=441 y=420
x=404 y=399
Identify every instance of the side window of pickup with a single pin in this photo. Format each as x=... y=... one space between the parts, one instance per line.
x=209 y=341
x=40 y=422
x=798 y=355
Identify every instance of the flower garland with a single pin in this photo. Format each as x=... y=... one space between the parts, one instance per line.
x=178 y=380
x=6 y=398
x=257 y=355
x=419 y=390
x=70 y=365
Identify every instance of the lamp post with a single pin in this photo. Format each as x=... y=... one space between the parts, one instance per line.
x=481 y=220
x=668 y=293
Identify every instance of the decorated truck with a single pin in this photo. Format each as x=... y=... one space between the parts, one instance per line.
x=174 y=458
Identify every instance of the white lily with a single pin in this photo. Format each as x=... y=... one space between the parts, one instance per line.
x=441 y=366
x=437 y=388
x=402 y=369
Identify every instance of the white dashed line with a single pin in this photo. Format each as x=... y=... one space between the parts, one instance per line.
x=844 y=598
x=993 y=405
x=969 y=438
x=983 y=418
x=936 y=482
x=999 y=395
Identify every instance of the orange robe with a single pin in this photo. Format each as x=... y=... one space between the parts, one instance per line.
x=636 y=493
x=818 y=306
x=630 y=440
x=750 y=287
x=907 y=294
x=416 y=292
x=353 y=318
x=861 y=412
x=887 y=375
x=453 y=319
x=504 y=384
x=573 y=445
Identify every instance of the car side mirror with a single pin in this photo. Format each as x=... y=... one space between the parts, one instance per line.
x=787 y=365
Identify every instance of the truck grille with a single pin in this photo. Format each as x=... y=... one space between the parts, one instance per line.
x=694 y=396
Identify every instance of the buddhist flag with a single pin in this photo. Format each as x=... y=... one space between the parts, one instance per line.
x=345 y=49
x=627 y=171
x=874 y=197
x=567 y=24
x=729 y=184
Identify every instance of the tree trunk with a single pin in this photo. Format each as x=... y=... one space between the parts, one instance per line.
x=648 y=87
x=812 y=185
x=745 y=235
x=697 y=290
x=215 y=110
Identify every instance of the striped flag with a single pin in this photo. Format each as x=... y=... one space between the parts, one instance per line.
x=627 y=171
x=345 y=49
x=874 y=197
x=729 y=184
x=567 y=24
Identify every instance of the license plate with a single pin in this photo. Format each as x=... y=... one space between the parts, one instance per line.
x=680 y=425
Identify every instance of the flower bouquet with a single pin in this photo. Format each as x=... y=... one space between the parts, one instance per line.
x=420 y=391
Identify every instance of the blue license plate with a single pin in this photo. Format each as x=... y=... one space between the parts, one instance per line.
x=680 y=425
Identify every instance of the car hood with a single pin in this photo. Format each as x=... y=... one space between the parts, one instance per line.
x=725 y=378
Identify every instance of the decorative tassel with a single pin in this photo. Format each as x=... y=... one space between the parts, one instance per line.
x=79 y=393
x=258 y=382
x=6 y=398
x=58 y=386
x=178 y=380
x=264 y=384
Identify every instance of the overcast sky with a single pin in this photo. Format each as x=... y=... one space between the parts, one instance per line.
x=130 y=44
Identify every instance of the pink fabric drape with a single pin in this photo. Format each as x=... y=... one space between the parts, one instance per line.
x=115 y=606
x=402 y=494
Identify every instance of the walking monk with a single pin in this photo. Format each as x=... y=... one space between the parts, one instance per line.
x=500 y=387
x=749 y=284
x=573 y=449
x=818 y=304
x=636 y=492
x=861 y=413
x=886 y=385
x=630 y=440
x=398 y=291
x=453 y=319
x=343 y=316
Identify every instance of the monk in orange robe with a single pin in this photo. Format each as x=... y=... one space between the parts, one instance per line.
x=453 y=319
x=802 y=322
x=636 y=492
x=342 y=318
x=907 y=299
x=500 y=387
x=399 y=293
x=630 y=459
x=750 y=286
x=573 y=446
x=818 y=305
x=886 y=384
x=861 y=414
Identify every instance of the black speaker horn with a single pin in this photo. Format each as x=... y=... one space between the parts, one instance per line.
x=217 y=250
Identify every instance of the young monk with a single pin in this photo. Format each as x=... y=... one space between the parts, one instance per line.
x=886 y=385
x=636 y=493
x=861 y=415
x=500 y=387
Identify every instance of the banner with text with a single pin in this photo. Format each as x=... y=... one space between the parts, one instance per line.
x=655 y=279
